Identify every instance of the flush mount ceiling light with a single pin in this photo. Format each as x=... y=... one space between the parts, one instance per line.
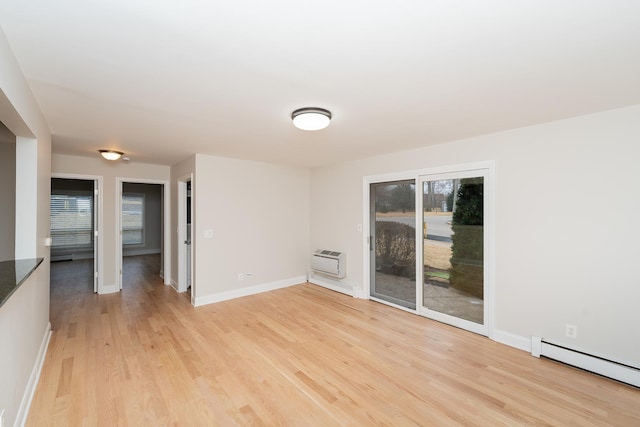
x=311 y=118
x=111 y=154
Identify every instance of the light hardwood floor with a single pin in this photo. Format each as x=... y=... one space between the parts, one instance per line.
x=299 y=356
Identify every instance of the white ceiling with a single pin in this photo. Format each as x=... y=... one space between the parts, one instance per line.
x=162 y=79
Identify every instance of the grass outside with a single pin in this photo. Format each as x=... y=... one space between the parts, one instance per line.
x=437 y=254
x=438 y=274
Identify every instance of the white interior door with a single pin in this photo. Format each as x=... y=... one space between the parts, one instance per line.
x=96 y=235
x=189 y=236
x=185 y=235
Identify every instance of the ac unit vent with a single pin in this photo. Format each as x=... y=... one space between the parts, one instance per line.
x=329 y=263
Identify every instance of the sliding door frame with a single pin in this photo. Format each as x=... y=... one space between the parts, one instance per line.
x=372 y=264
x=366 y=227
x=488 y=169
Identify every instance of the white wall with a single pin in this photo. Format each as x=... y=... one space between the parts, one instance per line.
x=24 y=318
x=259 y=215
x=109 y=171
x=567 y=225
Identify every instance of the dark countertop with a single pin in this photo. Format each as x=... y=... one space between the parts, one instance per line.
x=13 y=273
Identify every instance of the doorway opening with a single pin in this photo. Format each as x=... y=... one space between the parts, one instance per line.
x=142 y=224
x=75 y=232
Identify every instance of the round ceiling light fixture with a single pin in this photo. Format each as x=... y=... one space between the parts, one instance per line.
x=111 y=154
x=311 y=118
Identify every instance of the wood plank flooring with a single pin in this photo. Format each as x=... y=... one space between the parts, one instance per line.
x=300 y=356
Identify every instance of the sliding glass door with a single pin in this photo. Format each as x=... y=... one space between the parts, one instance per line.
x=429 y=252
x=393 y=242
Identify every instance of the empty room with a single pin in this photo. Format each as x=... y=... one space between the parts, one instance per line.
x=320 y=213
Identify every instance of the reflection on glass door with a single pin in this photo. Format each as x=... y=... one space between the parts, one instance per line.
x=453 y=249
x=393 y=242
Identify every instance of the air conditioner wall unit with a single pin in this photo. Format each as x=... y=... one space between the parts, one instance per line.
x=329 y=263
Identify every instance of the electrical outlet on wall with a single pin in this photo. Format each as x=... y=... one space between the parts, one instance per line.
x=571 y=330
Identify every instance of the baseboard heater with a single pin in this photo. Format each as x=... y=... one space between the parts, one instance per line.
x=329 y=263
x=589 y=362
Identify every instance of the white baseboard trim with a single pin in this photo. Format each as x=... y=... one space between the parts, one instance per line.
x=134 y=252
x=252 y=290
x=334 y=285
x=108 y=289
x=25 y=404
x=512 y=340
x=360 y=293
x=174 y=285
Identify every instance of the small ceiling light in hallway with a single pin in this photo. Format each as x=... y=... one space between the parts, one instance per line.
x=111 y=154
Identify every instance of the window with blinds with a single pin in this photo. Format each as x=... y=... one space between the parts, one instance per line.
x=132 y=219
x=72 y=221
